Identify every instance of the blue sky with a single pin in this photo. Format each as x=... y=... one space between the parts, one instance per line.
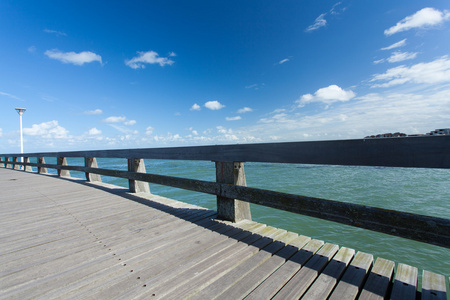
x=116 y=74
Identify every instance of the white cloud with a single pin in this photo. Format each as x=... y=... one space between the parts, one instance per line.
x=437 y=71
x=283 y=61
x=149 y=130
x=328 y=95
x=130 y=122
x=195 y=107
x=32 y=49
x=172 y=54
x=320 y=20
x=233 y=118
x=94 y=131
x=57 y=33
x=252 y=86
x=74 y=58
x=114 y=119
x=244 y=110
x=424 y=18
x=398 y=56
x=93 y=112
x=1 y=132
x=47 y=130
x=318 y=23
x=10 y=96
x=149 y=57
x=214 y=105
x=396 y=45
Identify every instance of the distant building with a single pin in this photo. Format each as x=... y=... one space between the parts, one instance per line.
x=443 y=131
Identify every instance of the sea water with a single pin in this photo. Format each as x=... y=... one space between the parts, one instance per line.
x=419 y=191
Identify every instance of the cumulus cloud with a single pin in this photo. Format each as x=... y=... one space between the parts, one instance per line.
x=424 y=18
x=214 y=105
x=130 y=122
x=77 y=59
x=195 y=107
x=437 y=71
x=93 y=112
x=233 y=118
x=114 y=119
x=328 y=95
x=149 y=57
x=149 y=130
x=47 y=130
x=396 y=45
x=94 y=131
x=244 y=110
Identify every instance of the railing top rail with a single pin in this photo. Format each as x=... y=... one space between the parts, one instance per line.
x=422 y=152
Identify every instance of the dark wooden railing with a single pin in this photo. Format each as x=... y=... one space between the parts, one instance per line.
x=233 y=196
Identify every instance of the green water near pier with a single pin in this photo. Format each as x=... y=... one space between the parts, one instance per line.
x=420 y=191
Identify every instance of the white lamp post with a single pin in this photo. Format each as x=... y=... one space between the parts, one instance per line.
x=20 y=111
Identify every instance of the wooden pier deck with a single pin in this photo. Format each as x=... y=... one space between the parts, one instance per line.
x=69 y=239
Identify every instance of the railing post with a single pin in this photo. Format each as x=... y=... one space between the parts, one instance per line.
x=62 y=161
x=6 y=162
x=41 y=170
x=91 y=162
x=15 y=166
x=137 y=165
x=231 y=209
x=26 y=167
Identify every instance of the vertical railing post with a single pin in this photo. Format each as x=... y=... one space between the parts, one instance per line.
x=91 y=162
x=137 y=165
x=6 y=162
x=15 y=165
x=41 y=170
x=62 y=161
x=26 y=167
x=231 y=209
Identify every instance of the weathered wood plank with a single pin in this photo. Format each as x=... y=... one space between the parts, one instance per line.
x=227 y=208
x=301 y=281
x=353 y=278
x=379 y=279
x=433 y=286
x=405 y=282
x=281 y=275
x=329 y=278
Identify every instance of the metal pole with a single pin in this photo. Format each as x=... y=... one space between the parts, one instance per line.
x=20 y=111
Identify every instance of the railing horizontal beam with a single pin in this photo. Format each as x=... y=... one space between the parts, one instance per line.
x=422 y=152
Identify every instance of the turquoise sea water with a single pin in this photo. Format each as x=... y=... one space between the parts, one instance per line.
x=420 y=191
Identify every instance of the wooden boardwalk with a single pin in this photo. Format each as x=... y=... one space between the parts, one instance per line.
x=68 y=239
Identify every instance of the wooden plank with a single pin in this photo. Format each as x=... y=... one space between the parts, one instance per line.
x=326 y=282
x=433 y=286
x=405 y=283
x=353 y=278
x=301 y=281
x=280 y=276
x=379 y=279
x=221 y=284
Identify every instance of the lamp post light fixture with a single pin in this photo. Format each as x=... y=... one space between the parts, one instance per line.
x=20 y=111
